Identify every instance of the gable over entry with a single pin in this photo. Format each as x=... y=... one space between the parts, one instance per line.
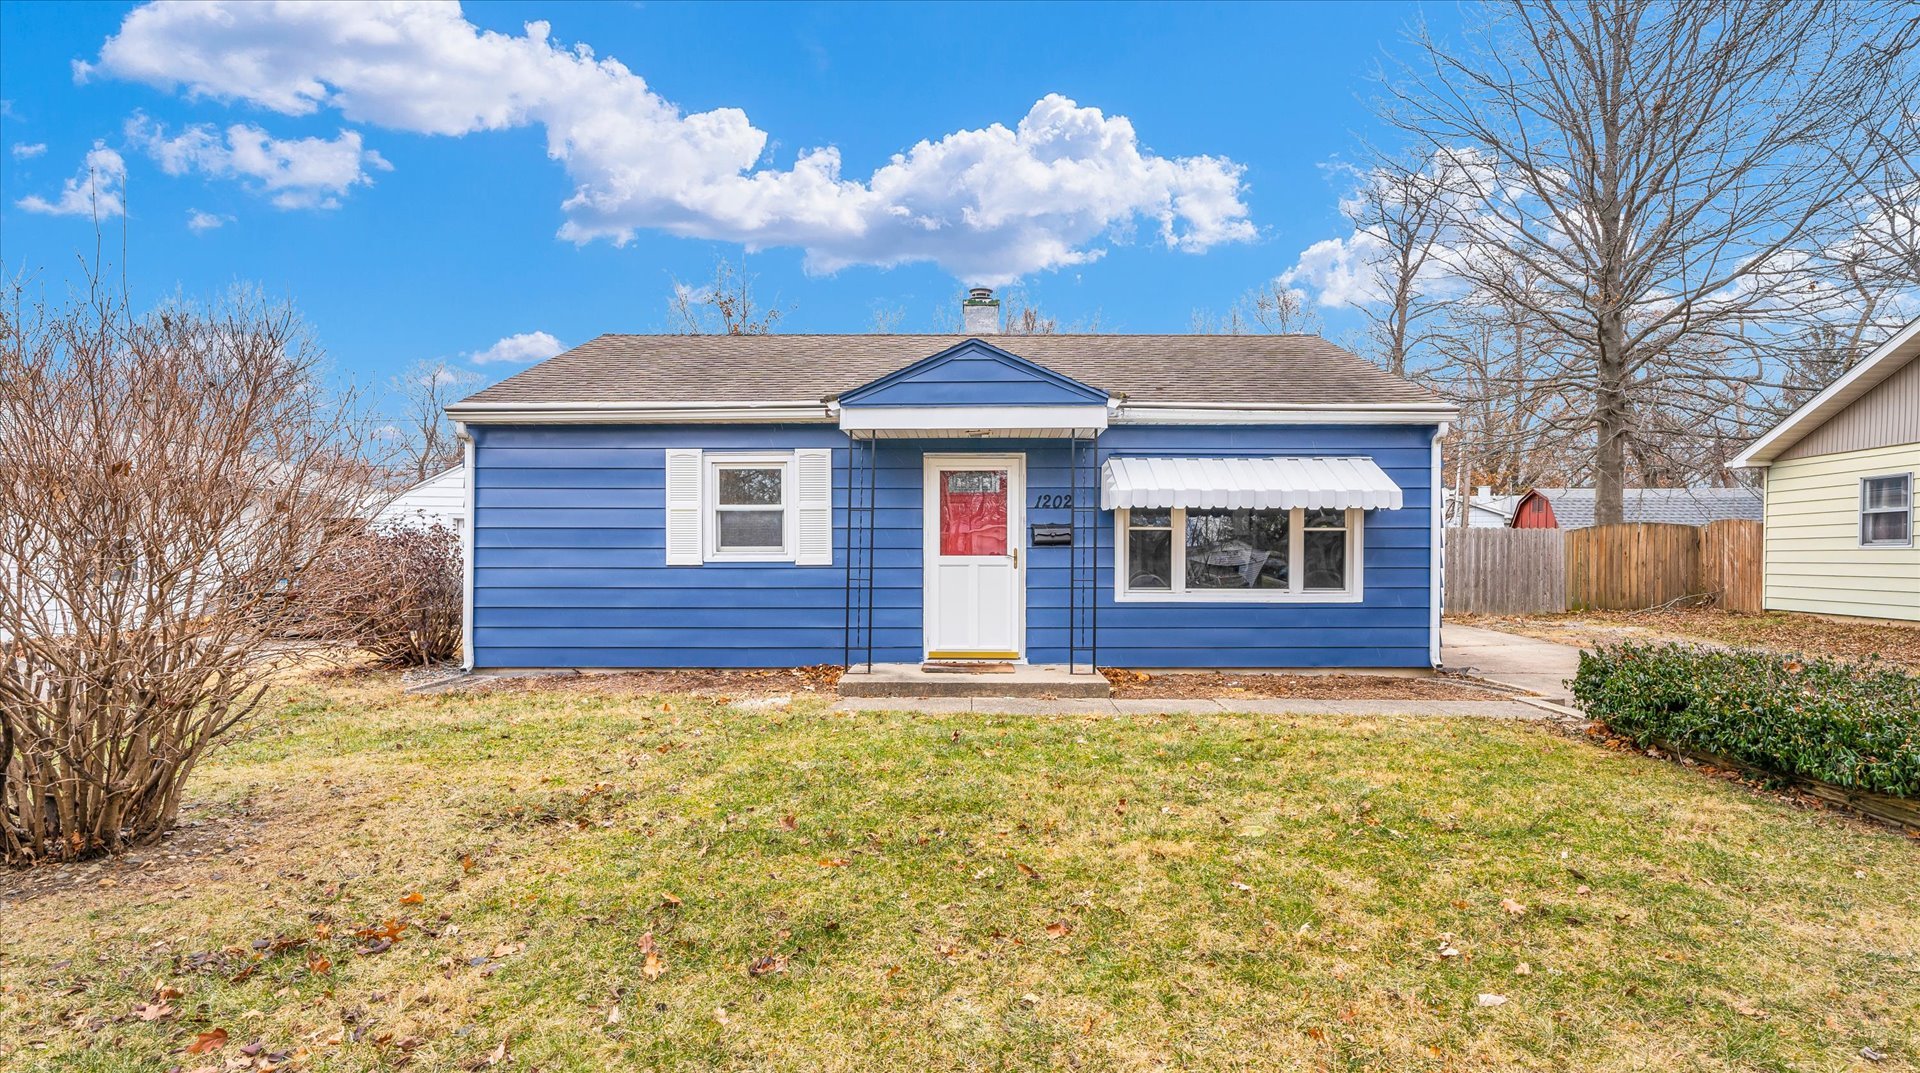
x=974 y=389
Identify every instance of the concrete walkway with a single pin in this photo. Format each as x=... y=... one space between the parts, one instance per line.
x=1500 y=709
x=1508 y=659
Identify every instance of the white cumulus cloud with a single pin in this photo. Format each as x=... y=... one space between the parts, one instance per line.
x=989 y=204
x=28 y=150
x=298 y=173
x=521 y=347
x=198 y=221
x=99 y=187
x=1352 y=270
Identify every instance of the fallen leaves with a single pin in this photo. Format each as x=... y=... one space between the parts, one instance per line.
x=490 y=1059
x=153 y=1011
x=211 y=1040
x=652 y=965
x=379 y=940
x=1513 y=907
x=412 y=897
x=1059 y=929
x=767 y=965
x=834 y=862
x=1490 y=1000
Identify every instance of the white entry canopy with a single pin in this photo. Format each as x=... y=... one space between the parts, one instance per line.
x=1247 y=484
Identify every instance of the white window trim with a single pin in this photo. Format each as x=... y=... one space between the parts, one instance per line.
x=711 y=463
x=1860 y=520
x=1354 y=593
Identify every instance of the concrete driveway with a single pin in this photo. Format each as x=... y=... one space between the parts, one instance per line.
x=1527 y=663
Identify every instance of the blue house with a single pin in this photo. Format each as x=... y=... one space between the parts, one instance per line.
x=1145 y=501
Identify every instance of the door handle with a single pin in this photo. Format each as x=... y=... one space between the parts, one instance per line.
x=1016 y=557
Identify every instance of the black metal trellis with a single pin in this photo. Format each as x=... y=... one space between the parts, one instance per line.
x=1083 y=584
x=858 y=540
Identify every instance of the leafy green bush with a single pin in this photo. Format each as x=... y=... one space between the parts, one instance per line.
x=1853 y=726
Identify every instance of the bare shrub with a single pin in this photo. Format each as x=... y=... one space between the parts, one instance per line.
x=393 y=592
x=162 y=477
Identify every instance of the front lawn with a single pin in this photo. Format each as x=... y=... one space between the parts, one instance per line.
x=580 y=880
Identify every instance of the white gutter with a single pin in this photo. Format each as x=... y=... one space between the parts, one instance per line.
x=804 y=412
x=1135 y=413
x=637 y=413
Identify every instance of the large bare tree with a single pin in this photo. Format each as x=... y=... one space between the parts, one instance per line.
x=726 y=305
x=1273 y=308
x=163 y=478
x=1653 y=162
x=1399 y=212
x=424 y=438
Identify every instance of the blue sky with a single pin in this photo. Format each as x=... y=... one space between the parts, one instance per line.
x=399 y=188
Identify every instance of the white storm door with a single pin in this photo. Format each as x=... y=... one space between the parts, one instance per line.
x=976 y=604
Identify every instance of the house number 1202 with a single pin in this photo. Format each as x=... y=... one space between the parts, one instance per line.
x=1061 y=501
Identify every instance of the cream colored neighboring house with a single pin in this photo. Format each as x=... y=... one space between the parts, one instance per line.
x=1841 y=475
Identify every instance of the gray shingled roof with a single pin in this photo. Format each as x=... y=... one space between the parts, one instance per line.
x=1271 y=369
x=1573 y=507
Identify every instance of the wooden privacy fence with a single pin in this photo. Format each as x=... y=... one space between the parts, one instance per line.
x=1613 y=567
x=1505 y=571
x=1730 y=556
x=1631 y=566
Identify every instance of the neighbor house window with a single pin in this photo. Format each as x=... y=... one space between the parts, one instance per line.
x=748 y=499
x=1245 y=555
x=1886 y=511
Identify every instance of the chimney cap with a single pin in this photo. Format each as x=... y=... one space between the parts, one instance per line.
x=981 y=296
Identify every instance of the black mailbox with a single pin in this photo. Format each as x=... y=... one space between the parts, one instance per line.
x=1052 y=536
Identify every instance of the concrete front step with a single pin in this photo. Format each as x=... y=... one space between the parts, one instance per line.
x=1027 y=680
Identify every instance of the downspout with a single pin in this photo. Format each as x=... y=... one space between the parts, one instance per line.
x=1437 y=523
x=467 y=522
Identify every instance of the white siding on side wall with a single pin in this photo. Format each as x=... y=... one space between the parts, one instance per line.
x=440 y=500
x=1814 y=558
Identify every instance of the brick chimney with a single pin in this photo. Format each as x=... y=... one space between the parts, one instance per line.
x=980 y=312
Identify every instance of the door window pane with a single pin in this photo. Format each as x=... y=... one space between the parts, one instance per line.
x=973 y=512
x=1231 y=549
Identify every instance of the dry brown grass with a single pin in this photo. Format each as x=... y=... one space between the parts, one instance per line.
x=1169 y=685
x=1004 y=892
x=1774 y=631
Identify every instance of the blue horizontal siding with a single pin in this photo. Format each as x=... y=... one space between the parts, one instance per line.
x=569 y=560
x=973 y=374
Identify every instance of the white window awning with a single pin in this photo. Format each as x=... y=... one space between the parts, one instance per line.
x=1247 y=484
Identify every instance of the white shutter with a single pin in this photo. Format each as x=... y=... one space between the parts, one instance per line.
x=683 y=509
x=813 y=504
